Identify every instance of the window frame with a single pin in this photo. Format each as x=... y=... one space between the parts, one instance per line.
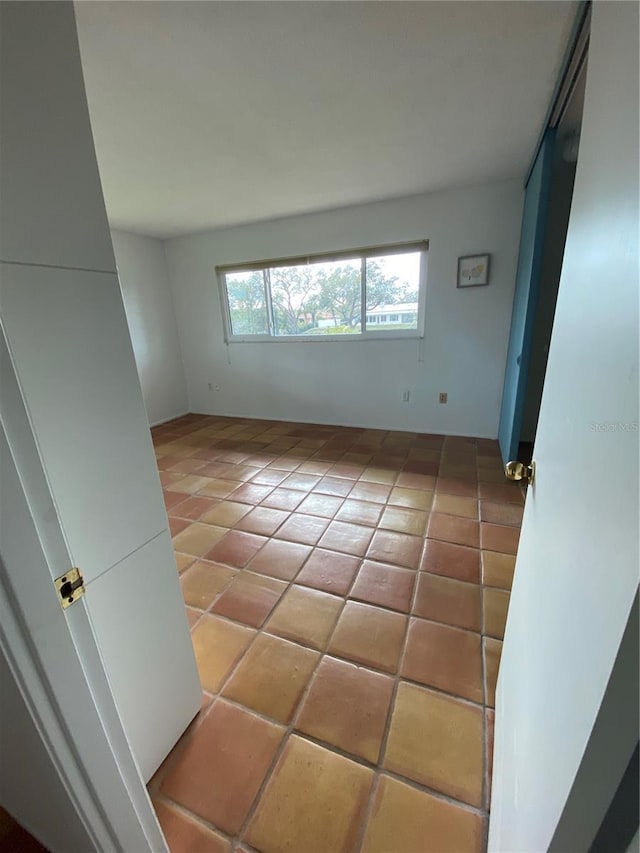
x=363 y=254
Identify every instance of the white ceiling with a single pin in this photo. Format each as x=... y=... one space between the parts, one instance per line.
x=210 y=114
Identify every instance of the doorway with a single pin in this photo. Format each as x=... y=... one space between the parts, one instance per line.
x=565 y=157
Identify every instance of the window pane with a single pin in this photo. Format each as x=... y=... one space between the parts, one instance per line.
x=316 y=299
x=247 y=306
x=393 y=284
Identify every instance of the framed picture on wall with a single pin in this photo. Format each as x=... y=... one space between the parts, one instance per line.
x=473 y=270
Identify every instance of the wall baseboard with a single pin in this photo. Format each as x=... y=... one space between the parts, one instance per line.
x=331 y=423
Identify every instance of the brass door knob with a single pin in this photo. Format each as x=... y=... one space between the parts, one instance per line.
x=520 y=471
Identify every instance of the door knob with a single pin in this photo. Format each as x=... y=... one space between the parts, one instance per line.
x=520 y=471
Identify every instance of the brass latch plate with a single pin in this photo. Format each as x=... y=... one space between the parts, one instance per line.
x=70 y=587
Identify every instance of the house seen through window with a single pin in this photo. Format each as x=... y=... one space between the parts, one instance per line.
x=363 y=293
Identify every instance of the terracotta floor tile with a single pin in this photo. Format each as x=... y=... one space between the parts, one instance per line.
x=452 y=528
x=369 y=635
x=251 y=493
x=165 y=463
x=347 y=470
x=399 y=549
x=329 y=571
x=263 y=520
x=198 y=538
x=283 y=499
x=221 y=768
x=347 y=706
x=437 y=740
x=219 y=488
x=456 y=505
x=172 y=499
x=235 y=548
x=456 y=561
x=184 y=834
x=507 y=493
x=315 y=802
x=490 y=475
x=305 y=529
x=412 y=821
x=411 y=498
x=410 y=480
x=501 y=513
x=193 y=508
x=203 y=581
x=284 y=463
x=272 y=677
x=218 y=645
x=404 y=520
x=492 y=650
x=334 y=486
x=305 y=615
x=374 y=492
x=269 y=477
x=167 y=478
x=386 y=586
x=447 y=600
x=325 y=506
x=499 y=537
x=453 y=486
x=249 y=598
x=314 y=467
x=301 y=482
x=495 y=604
x=444 y=657
x=497 y=569
x=177 y=525
x=226 y=513
x=183 y=561
x=346 y=538
x=379 y=475
x=190 y=484
x=280 y=559
x=419 y=467
x=360 y=512
x=192 y=616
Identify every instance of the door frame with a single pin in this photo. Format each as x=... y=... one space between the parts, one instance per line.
x=56 y=663
x=572 y=66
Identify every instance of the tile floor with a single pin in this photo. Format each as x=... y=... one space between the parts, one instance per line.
x=347 y=591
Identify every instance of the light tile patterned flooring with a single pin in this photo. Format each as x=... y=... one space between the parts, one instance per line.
x=347 y=591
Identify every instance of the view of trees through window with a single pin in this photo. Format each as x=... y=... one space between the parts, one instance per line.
x=325 y=298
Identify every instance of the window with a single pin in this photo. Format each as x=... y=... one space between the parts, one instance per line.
x=364 y=293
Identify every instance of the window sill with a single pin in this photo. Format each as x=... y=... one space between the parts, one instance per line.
x=323 y=339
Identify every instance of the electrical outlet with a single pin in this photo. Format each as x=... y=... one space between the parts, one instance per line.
x=406 y=396
x=213 y=387
x=443 y=397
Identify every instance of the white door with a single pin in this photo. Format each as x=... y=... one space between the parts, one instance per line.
x=577 y=568
x=69 y=340
x=68 y=773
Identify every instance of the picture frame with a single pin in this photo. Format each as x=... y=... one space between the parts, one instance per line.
x=473 y=271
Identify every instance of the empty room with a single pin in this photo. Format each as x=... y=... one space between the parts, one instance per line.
x=319 y=407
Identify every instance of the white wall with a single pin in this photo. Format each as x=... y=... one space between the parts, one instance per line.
x=147 y=301
x=360 y=383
